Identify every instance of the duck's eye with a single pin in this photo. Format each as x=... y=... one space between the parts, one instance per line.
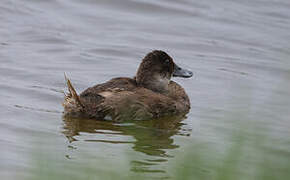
x=167 y=61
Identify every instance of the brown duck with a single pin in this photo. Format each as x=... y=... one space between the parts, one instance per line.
x=150 y=94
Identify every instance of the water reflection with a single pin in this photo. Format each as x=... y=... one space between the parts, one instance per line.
x=152 y=138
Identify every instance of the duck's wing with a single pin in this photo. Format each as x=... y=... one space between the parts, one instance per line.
x=98 y=100
x=139 y=104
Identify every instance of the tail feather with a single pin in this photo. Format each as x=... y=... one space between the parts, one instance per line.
x=72 y=92
x=72 y=103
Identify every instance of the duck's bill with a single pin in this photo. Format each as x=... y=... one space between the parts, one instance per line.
x=180 y=72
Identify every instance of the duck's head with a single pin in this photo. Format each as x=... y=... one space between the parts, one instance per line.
x=156 y=70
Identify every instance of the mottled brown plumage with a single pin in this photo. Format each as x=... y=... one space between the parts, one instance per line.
x=151 y=94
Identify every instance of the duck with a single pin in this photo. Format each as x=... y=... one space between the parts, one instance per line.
x=150 y=94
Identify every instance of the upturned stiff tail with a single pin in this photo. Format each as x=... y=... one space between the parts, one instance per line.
x=72 y=103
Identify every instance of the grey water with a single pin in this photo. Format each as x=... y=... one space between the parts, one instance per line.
x=238 y=50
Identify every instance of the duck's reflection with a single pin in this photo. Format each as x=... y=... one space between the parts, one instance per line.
x=152 y=138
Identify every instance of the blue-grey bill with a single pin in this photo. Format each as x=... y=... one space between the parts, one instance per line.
x=180 y=72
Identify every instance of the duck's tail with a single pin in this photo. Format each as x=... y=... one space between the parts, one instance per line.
x=72 y=103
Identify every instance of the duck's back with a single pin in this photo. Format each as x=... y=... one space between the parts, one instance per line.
x=121 y=83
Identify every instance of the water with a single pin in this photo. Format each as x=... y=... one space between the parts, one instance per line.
x=239 y=122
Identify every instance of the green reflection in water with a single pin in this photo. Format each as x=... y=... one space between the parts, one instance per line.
x=247 y=156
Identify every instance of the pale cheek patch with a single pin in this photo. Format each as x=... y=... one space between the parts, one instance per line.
x=163 y=81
